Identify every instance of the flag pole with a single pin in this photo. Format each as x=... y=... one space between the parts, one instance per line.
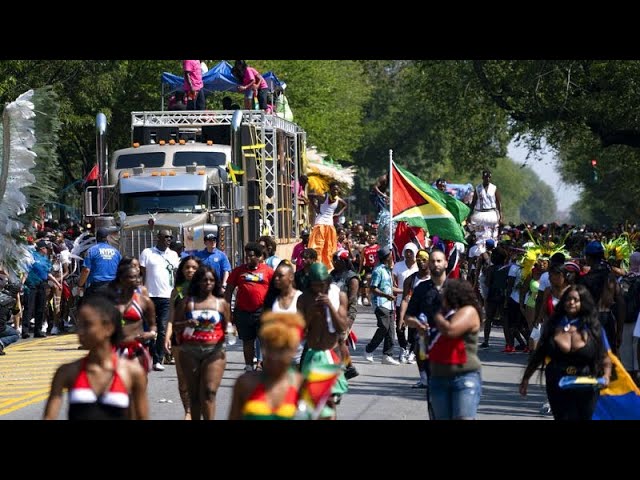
x=391 y=200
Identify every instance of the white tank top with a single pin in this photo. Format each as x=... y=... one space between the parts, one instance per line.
x=292 y=308
x=325 y=217
x=334 y=298
x=486 y=197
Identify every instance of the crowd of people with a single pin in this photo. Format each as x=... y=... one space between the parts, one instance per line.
x=558 y=292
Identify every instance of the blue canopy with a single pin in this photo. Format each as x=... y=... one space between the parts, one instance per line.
x=217 y=79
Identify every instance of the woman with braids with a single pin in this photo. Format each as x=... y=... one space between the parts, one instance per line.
x=203 y=318
x=186 y=270
x=272 y=393
x=101 y=386
x=571 y=344
x=136 y=310
x=455 y=383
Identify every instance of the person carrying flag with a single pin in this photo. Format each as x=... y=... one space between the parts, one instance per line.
x=324 y=308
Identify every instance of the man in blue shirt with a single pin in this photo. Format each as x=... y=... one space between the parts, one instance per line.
x=35 y=289
x=100 y=263
x=215 y=258
x=384 y=295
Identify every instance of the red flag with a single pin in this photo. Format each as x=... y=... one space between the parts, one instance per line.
x=93 y=174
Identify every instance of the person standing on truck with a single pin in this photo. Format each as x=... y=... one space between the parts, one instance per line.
x=252 y=84
x=324 y=239
x=193 y=85
x=157 y=266
x=215 y=258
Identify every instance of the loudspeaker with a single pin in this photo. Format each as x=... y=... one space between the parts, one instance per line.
x=144 y=135
x=220 y=134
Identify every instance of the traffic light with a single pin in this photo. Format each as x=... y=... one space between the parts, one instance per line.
x=594 y=170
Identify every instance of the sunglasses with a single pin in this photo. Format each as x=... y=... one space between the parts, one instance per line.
x=168 y=236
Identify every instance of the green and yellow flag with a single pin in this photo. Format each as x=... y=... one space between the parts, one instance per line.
x=421 y=205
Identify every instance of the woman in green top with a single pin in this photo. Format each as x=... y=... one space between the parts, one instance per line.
x=186 y=269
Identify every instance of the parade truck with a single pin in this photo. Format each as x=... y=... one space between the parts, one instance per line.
x=197 y=172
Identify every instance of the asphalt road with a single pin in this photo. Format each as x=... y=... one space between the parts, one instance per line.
x=380 y=392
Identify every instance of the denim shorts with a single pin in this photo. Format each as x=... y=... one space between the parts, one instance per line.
x=455 y=398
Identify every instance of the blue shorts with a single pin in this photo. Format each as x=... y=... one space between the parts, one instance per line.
x=455 y=398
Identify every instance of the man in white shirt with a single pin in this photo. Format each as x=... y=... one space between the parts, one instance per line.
x=401 y=271
x=158 y=266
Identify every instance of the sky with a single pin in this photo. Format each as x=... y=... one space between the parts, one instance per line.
x=546 y=170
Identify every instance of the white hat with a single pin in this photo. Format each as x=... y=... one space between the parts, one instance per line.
x=410 y=246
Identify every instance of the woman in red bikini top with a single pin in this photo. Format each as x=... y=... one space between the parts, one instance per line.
x=101 y=386
x=136 y=309
x=202 y=356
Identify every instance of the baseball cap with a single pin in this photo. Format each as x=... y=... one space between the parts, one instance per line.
x=593 y=248
x=342 y=254
x=42 y=244
x=304 y=233
x=211 y=236
x=102 y=233
x=383 y=253
x=572 y=267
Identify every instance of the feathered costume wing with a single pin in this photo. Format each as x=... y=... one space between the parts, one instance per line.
x=321 y=172
x=17 y=160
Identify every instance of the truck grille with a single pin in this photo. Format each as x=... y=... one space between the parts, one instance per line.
x=135 y=240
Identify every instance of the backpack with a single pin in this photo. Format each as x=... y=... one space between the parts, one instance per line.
x=631 y=292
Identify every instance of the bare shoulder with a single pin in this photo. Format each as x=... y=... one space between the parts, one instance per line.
x=68 y=372
x=247 y=382
x=130 y=371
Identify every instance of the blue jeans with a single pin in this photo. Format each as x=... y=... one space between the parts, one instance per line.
x=455 y=398
x=162 y=317
x=8 y=336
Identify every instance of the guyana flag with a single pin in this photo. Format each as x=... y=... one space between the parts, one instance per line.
x=421 y=205
x=317 y=386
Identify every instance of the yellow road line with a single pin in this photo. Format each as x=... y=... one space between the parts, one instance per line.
x=26 y=403
x=27 y=370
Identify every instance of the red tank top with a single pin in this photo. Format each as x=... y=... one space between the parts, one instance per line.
x=370 y=255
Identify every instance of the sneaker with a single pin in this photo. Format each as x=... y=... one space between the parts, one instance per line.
x=368 y=356
x=55 y=331
x=484 y=345
x=45 y=325
x=520 y=348
x=411 y=358
x=509 y=349
x=248 y=368
x=419 y=384
x=389 y=360
x=158 y=367
x=19 y=329
x=25 y=335
x=351 y=372
x=402 y=357
x=545 y=409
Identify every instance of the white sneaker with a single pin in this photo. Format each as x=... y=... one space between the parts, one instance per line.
x=411 y=358
x=19 y=329
x=368 y=356
x=388 y=360
x=45 y=325
x=158 y=367
x=402 y=357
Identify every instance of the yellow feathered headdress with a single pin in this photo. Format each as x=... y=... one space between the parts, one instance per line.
x=536 y=249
